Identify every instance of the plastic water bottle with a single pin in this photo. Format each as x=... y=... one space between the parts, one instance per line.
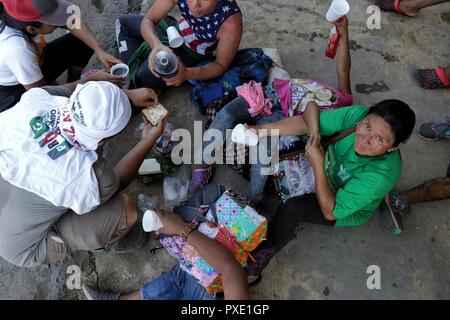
x=165 y=64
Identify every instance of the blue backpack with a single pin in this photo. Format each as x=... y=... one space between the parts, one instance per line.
x=249 y=64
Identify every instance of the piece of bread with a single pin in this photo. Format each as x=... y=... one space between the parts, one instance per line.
x=154 y=115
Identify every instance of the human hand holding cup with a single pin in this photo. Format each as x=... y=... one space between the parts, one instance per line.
x=121 y=70
x=175 y=39
x=242 y=135
x=337 y=10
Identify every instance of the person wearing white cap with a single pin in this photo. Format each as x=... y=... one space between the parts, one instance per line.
x=56 y=193
x=27 y=61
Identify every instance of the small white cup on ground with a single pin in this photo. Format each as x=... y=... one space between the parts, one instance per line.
x=175 y=39
x=242 y=135
x=337 y=10
x=151 y=221
x=121 y=70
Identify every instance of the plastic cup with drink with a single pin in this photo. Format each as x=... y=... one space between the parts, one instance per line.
x=121 y=70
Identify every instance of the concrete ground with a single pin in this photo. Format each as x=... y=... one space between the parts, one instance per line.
x=321 y=263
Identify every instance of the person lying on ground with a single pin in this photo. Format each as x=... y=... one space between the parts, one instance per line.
x=409 y=8
x=431 y=190
x=438 y=77
x=177 y=284
x=25 y=64
x=56 y=192
x=211 y=30
x=289 y=98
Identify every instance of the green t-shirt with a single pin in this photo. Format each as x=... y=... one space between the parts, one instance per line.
x=359 y=183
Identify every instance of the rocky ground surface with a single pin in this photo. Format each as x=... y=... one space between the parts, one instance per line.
x=320 y=263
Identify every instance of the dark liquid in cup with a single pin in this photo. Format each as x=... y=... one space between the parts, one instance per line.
x=120 y=72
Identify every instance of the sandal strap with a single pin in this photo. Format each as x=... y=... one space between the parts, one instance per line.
x=396 y=6
x=440 y=71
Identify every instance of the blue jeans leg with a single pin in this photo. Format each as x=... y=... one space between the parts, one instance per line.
x=255 y=189
x=175 y=285
x=230 y=116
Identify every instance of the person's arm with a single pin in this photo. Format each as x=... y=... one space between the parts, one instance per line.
x=157 y=12
x=229 y=39
x=98 y=76
x=344 y=62
x=294 y=126
x=142 y=97
x=312 y=117
x=38 y=84
x=324 y=194
x=85 y=35
x=235 y=282
x=129 y=165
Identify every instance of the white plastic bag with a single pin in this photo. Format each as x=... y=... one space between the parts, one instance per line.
x=176 y=187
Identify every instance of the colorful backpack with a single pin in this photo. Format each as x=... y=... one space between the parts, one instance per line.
x=224 y=216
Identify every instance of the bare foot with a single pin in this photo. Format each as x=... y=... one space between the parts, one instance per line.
x=408 y=8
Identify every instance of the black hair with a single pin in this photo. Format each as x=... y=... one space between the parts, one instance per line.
x=7 y=20
x=400 y=117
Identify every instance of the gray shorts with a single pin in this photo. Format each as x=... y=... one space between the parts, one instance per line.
x=32 y=229
x=95 y=230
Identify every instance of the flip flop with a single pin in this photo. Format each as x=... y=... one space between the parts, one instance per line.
x=393 y=209
x=432 y=78
x=390 y=6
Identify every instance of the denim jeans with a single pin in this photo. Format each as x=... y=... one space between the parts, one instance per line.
x=230 y=116
x=175 y=285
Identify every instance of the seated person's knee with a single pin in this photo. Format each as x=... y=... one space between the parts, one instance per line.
x=131 y=210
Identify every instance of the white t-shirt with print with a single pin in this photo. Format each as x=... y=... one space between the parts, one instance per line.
x=66 y=181
x=18 y=59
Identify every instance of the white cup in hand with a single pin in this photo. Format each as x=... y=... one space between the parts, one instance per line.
x=175 y=39
x=151 y=221
x=337 y=10
x=242 y=135
x=121 y=70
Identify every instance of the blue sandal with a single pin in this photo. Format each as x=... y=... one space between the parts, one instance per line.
x=393 y=209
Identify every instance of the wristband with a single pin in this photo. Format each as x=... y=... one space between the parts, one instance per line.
x=187 y=231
